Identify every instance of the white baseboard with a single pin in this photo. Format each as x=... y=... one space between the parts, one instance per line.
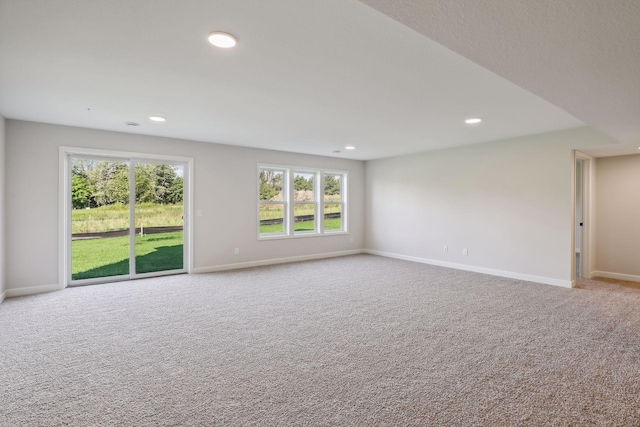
x=273 y=261
x=483 y=270
x=31 y=290
x=2 y=296
x=618 y=276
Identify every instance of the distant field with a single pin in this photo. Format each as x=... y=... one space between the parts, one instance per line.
x=274 y=211
x=116 y=217
x=110 y=256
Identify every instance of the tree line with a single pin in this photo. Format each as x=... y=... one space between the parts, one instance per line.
x=101 y=183
x=271 y=184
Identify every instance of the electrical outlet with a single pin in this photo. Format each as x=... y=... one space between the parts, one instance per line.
x=445 y=249
x=199 y=212
x=351 y=240
x=465 y=252
x=237 y=251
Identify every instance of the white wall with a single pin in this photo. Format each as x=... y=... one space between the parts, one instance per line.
x=618 y=217
x=508 y=202
x=2 y=208
x=224 y=189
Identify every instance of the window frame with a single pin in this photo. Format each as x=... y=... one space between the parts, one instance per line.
x=342 y=202
x=316 y=224
x=289 y=202
x=285 y=200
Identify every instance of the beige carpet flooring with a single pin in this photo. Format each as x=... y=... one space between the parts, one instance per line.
x=353 y=341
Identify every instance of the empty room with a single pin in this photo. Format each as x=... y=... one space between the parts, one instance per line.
x=323 y=213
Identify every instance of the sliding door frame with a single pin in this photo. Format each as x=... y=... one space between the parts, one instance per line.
x=64 y=228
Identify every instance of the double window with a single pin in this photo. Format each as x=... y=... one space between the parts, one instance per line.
x=300 y=202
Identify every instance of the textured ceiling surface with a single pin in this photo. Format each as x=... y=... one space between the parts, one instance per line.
x=306 y=76
x=583 y=56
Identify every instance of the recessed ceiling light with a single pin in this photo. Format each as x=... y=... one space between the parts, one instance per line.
x=157 y=119
x=349 y=147
x=223 y=40
x=473 y=121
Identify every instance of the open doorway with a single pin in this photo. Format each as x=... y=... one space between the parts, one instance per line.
x=125 y=216
x=579 y=220
x=581 y=255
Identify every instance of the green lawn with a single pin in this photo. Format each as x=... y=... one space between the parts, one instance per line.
x=329 y=224
x=110 y=256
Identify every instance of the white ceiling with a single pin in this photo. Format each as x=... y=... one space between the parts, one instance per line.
x=307 y=76
x=583 y=56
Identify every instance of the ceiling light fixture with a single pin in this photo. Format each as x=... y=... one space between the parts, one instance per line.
x=473 y=121
x=222 y=40
x=157 y=119
x=349 y=147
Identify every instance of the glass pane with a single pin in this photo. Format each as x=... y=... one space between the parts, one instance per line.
x=304 y=217
x=303 y=187
x=332 y=217
x=99 y=218
x=159 y=217
x=332 y=187
x=271 y=184
x=271 y=218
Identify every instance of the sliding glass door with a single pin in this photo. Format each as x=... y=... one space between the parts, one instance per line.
x=126 y=218
x=158 y=212
x=99 y=218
